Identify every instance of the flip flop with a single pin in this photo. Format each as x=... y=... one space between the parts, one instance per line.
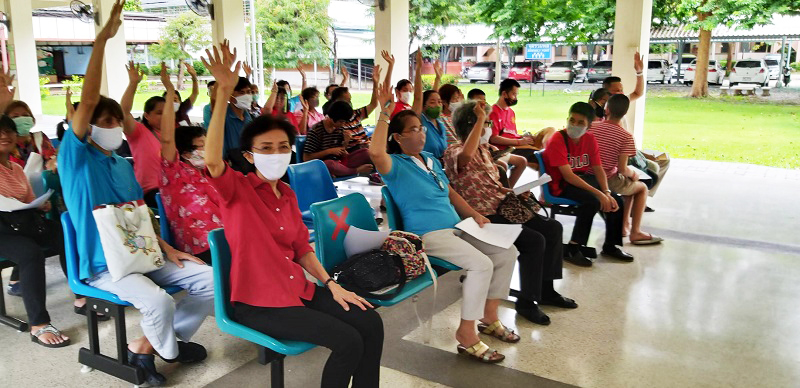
x=481 y=352
x=48 y=329
x=507 y=334
x=650 y=241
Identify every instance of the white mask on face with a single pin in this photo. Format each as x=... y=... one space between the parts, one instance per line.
x=487 y=134
x=272 y=166
x=176 y=106
x=455 y=105
x=198 y=159
x=405 y=97
x=576 y=131
x=108 y=139
x=244 y=101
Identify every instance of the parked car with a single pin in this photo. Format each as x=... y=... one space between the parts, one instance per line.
x=566 y=71
x=715 y=73
x=484 y=71
x=683 y=63
x=522 y=71
x=774 y=67
x=753 y=71
x=599 y=71
x=657 y=71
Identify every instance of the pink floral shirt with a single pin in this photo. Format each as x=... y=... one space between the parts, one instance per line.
x=191 y=205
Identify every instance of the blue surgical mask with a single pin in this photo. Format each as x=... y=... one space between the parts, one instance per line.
x=24 y=125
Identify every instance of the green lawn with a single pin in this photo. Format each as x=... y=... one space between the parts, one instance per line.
x=730 y=129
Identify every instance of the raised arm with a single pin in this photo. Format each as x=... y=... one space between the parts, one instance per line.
x=6 y=89
x=437 y=68
x=134 y=77
x=219 y=65
x=247 y=70
x=345 y=76
x=302 y=127
x=417 y=106
x=638 y=66
x=377 y=147
x=273 y=95
x=376 y=81
x=68 y=103
x=168 y=150
x=303 y=77
x=90 y=94
x=390 y=60
x=474 y=138
x=195 y=83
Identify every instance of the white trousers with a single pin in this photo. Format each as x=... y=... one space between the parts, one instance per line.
x=489 y=268
x=164 y=322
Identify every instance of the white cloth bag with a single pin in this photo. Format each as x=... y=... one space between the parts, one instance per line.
x=129 y=242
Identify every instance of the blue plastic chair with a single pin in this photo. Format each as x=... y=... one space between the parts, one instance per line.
x=396 y=223
x=311 y=183
x=299 y=147
x=17 y=324
x=163 y=222
x=559 y=205
x=99 y=301
x=55 y=142
x=331 y=251
x=270 y=350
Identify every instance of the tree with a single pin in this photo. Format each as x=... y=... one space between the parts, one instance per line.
x=294 y=31
x=133 y=5
x=184 y=33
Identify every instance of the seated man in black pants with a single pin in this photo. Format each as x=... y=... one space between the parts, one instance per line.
x=569 y=157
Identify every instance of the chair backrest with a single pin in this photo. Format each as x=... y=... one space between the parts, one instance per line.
x=221 y=257
x=299 y=147
x=52 y=182
x=163 y=221
x=311 y=183
x=545 y=187
x=392 y=212
x=332 y=219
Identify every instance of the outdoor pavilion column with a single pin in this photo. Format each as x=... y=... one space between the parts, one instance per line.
x=228 y=23
x=391 y=34
x=632 y=33
x=24 y=53
x=115 y=77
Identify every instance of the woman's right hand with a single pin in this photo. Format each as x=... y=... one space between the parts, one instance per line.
x=386 y=98
x=135 y=74
x=346 y=298
x=114 y=21
x=219 y=64
x=165 y=77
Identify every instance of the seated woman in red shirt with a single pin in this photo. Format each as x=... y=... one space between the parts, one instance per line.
x=189 y=200
x=270 y=250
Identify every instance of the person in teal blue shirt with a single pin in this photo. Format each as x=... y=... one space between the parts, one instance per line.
x=436 y=137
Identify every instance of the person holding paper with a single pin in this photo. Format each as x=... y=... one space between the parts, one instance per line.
x=26 y=252
x=473 y=175
x=431 y=208
x=92 y=174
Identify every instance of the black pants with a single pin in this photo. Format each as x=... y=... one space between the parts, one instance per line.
x=527 y=153
x=540 y=258
x=205 y=256
x=354 y=337
x=150 y=199
x=589 y=206
x=29 y=257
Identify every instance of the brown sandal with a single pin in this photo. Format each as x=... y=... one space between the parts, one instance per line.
x=507 y=335
x=481 y=352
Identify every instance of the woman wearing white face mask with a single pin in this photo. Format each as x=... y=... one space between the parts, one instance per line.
x=27 y=140
x=270 y=250
x=473 y=174
x=189 y=200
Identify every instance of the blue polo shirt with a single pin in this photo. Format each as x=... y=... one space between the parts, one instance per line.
x=90 y=178
x=436 y=137
x=233 y=130
x=424 y=206
x=206 y=115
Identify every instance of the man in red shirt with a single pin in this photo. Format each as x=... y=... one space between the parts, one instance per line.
x=504 y=125
x=568 y=157
x=616 y=146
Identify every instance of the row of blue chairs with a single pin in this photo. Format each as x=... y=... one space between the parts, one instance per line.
x=300 y=145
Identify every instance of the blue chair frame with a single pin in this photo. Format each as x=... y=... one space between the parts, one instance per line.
x=270 y=350
x=163 y=222
x=299 y=147
x=396 y=223
x=331 y=251
x=99 y=301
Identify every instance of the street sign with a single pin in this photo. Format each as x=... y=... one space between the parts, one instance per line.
x=537 y=51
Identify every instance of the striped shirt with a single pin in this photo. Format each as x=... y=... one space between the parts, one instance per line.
x=613 y=141
x=14 y=183
x=319 y=139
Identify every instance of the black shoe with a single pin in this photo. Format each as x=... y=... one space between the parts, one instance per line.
x=574 y=255
x=14 y=289
x=533 y=314
x=559 y=301
x=188 y=352
x=617 y=253
x=648 y=209
x=147 y=363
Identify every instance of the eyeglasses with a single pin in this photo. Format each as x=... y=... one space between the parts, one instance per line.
x=419 y=129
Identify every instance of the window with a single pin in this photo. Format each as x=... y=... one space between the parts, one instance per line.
x=748 y=64
x=653 y=64
x=470 y=51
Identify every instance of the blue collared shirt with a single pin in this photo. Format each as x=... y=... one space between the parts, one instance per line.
x=233 y=130
x=90 y=178
x=436 y=137
x=423 y=203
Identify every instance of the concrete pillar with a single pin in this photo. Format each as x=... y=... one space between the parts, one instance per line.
x=631 y=34
x=115 y=77
x=391 y=34
x=228 y=24
x=24 y=53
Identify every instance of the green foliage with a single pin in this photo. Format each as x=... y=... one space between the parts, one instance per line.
x=155 y=70
x=795 y=66
x=428 y=79
x=663 y=48
x=427 y=17
x=199 y=68
x=144 y=85
x=75 y=84
x=133 y=5
x=293 y=31
x=184 y=33
x=43 y=91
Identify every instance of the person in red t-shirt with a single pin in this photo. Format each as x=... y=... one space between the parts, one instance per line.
x=616 y=146
x=569 y=156
x=504 y=125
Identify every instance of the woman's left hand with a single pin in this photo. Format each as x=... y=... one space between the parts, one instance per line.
x=345 y=298
x=481 y=220
x=178 y=257
x=46 y=207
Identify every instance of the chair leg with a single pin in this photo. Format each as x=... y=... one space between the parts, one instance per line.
x=276 y=372
x=92 y=357
x=5 y=319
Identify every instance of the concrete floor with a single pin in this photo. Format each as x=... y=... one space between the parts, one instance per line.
x=714 y=305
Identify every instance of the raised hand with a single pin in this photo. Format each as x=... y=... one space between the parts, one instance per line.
x=247 y=69
x=69 y=94
x=190 y=69
x=300 y=69
x=165 y=77
x=303 y=103
x=418 y=60
x=114 y=21
x=480 y=110
x=638 y=62
x=386 y=97
x=345 y=74
x=437 y=68
x=6 y=89
x=219 y=64
x=388 y=58
x=274 y=87
x=135 y=74
x=376 y=75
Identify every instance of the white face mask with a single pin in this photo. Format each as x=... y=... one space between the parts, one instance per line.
x=575 y=131
x=405 y=97
x=455 y=105
x=487 y=134
x=176 y=106
x=272 y=166
x=197 y=158
x=244 y=101
x=108 y=139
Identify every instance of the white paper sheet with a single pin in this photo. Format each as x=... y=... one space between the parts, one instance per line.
x=501 y=235
x=11 y=204
x=359 y=240
x=532 y=185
